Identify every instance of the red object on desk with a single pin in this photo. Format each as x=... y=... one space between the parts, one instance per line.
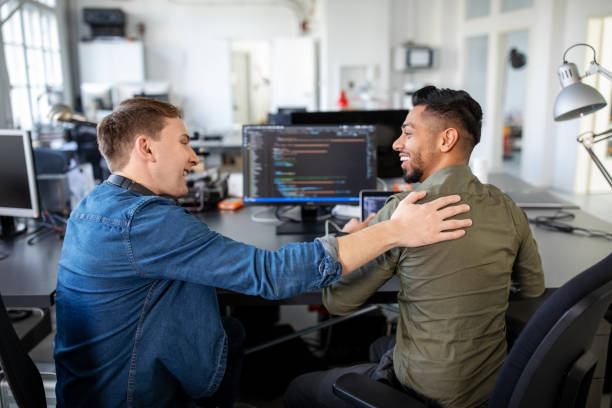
x=230 y=204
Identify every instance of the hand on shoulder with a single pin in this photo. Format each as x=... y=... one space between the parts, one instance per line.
x=423 y=224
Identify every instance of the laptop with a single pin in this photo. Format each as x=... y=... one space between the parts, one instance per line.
x=370 y=201
x=539 y=199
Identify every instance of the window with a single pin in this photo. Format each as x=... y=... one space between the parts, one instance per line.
x=475 y=80
x=32 y=53
x=512 y=5
x=477 y=8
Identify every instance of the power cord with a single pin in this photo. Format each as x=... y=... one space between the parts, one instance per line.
x=256 y=217
x=281 y=211
x=554 y=223
x=382 y=183
x=329 y=223
x=49 y=223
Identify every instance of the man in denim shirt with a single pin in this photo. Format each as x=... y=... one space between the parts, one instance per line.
x=137 y=316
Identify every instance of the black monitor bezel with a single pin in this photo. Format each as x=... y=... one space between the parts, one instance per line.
x=322 y=201
x=34 y=210
x=389 y=167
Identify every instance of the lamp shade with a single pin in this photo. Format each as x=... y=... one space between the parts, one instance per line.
x=64 y=113
x=575 y=99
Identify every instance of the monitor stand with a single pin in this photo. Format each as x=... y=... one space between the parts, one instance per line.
x=308 y=226
x=10 y=227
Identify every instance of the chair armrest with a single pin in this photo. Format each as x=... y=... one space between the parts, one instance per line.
x=361 y=391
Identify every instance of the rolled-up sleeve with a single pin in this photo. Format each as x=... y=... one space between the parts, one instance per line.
x=352 y=290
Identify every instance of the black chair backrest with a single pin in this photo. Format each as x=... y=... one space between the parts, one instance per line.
x=555 y=341
x=22 y=375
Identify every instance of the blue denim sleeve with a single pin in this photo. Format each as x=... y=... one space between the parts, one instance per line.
x=166 y=242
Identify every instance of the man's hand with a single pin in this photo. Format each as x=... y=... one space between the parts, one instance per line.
x=355 y=225
x=423 y=224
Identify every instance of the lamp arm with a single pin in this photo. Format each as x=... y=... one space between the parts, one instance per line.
x=594 y=68
x=598 y=137
x=588 y=140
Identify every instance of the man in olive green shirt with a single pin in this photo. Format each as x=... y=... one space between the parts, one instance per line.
x=450 y=341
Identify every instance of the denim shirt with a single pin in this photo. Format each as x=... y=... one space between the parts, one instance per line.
x=137 y=314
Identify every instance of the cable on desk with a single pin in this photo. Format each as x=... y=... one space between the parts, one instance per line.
x=38 y=235
x=280 y=212
x=255 y=217
x=382 y=182
x=3 y=255
x=17 y=315
x=554 y=223
x=49 y=223
x=333 y=224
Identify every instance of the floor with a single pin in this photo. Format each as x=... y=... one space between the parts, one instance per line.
x=599 y=205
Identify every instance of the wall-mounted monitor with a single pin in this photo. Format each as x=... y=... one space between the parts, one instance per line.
x=413 y=57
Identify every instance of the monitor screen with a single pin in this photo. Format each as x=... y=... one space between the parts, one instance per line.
x=310 y=165
x=388 y=127
x=18 y=194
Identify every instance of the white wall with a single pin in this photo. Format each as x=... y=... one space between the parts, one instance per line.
x=569 y=155
x=187 y=43
x=550 y=154
x=431 y=23
x=357 y=33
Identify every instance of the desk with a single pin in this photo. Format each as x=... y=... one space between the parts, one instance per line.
x=28 y=275
x=563 y=255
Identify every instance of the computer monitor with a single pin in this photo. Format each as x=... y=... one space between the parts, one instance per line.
x=307 y=165
x=18 y=192
x=388 y=127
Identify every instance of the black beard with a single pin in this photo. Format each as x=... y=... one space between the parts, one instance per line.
x=413 y=177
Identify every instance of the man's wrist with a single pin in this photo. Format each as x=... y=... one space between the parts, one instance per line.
x=389 y=234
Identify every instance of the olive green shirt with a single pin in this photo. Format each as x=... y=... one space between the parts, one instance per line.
x=453 y=295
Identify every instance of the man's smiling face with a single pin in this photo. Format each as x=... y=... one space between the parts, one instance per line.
x=416 y=145
x=174 y=158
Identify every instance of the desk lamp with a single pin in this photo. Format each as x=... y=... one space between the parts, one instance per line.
x=577 y=99
x=64 y=113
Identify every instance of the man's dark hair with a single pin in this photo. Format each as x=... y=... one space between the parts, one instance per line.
x=455 y=107
x=117 y=131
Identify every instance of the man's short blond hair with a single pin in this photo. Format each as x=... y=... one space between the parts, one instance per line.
x=133 y=117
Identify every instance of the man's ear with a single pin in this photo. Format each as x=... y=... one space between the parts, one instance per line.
x=449 y=139
x=143 y=148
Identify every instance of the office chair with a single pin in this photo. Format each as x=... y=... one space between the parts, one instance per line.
x=549 y=365
x=23 y=377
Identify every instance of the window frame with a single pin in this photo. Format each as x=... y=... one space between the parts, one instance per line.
x=49 y=53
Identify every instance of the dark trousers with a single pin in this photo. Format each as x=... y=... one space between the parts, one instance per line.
x=228 y=389
x=315 y=389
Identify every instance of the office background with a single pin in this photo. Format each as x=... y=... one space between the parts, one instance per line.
x=306 y=51
x=226 y=63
